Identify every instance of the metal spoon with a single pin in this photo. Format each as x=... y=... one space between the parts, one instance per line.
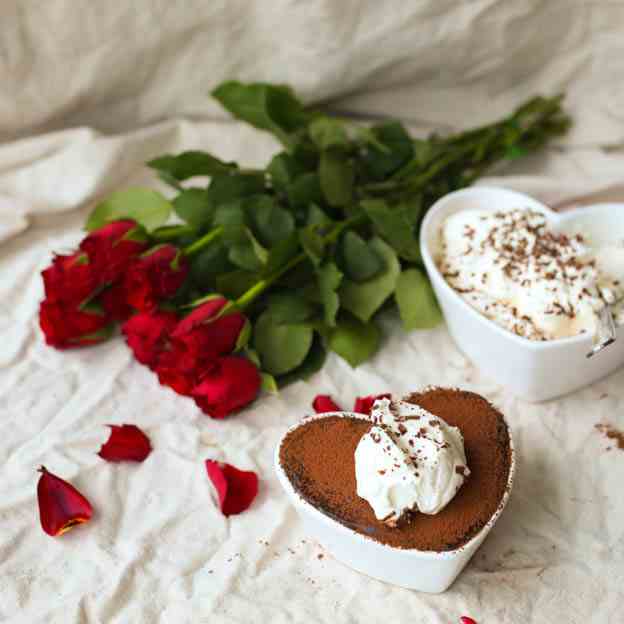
x=605 y=331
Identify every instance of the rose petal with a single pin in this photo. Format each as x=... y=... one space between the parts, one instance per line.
x=363 y=405
x=125 y=443
x=61 y=505
x=147 y=334
x=113 y=300
x=236 y=488
x=201 y=314
x=230 y=384
x=324 y=403
x=70 y=279
x=464 y=619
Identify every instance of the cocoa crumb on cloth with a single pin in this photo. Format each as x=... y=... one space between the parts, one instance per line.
x=611 y=433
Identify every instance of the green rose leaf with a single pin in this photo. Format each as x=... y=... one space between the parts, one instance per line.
x=194 y=206
x=336 y=175
x=364 y=299
x=227 y=188
x=312 y=243
x=190 y=164
x=327 y=132
x=208 y=263
x=234 y=283
x=329 y=279
x=289 y=308
x=360 y=261
x=281 y=347
x=395 y=224
x=305 y=190
x=268 y=383
x=313 y=362
x=354 y=341
x=147 y=207
x=281 y=253
x=416 y=300
x=283 y=170
x=272 y=224
x=380 y=163
x=267 y=107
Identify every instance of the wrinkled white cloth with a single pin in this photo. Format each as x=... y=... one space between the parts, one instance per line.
x=158 y=550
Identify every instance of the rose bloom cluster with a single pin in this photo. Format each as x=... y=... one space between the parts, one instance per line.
x=116 y=276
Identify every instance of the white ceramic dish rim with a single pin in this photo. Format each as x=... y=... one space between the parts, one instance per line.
x=432 y=266
x=411 y=552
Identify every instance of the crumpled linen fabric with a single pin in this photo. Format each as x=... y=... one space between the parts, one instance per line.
x=86 y=97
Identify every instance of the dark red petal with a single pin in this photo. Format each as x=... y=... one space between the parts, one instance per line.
x=201 y=314
x=236 y=488
x=229 y=384
x=65 y=326
x=363 y=405
x=113 y=300
x=464 y=619
x=61 y=505
x=324 y=403
x=147 y=334
x=126 y=443
x=70 y=279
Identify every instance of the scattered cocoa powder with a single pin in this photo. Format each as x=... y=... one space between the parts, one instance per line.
x=318 y=458
x=613 y=434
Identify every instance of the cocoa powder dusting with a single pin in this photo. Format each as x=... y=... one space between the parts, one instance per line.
x=613 y=434
x=318 y=458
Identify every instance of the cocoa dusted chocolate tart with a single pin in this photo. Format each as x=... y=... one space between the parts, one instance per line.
x=319 y=460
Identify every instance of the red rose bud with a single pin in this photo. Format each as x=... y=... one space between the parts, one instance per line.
x=324 y=403
x=126 y=443
x=69 y=278
x=363 y=405
x=236 y=488
x=65 y=326
x=147 y=334
x=464 y=619
x=113 y=300
x=61 y=505
x=154 y=276
x=230 y=384
x=203 y=313
x=112 y=247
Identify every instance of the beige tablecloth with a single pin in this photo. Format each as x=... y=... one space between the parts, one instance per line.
x=158 y=550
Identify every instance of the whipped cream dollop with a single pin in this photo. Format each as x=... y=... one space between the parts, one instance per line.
x=410 y=460
x=526 y=277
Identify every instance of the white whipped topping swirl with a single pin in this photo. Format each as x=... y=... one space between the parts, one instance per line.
x=410 y=460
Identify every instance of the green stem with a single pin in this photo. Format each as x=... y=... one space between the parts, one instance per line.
x=203 y=242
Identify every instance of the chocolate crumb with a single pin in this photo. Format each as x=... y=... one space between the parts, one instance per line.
x=612 y=434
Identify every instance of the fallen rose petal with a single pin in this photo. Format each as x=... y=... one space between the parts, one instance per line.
x=125 y=443
x=154 y=276
x=61 y=505
x=363 y=405
x=324 y=403
x=236 y=488
x=464 y=619
x=230 y=384
x=65 y=326
x=147 y=334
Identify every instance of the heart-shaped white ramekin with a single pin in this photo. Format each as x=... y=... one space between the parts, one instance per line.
x=425 y=571
x=534 y=371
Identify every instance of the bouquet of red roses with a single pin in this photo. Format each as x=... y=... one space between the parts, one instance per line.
x=298 y=258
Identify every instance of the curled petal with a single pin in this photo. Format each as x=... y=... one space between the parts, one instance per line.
x=363 y=405
x=65 y=326
x=464 y=619
x=203 y=313
x=126 y=443
x=236 y=488
x=61 y=505
x=229 y=384
x=324 y=403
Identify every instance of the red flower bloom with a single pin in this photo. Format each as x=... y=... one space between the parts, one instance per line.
x=112 y=247
x=113 y=300
x=126 y=443
x=203 y=313
x=69 y=278
x=236 y=488
x=65 y=326
x=324 y=403
x=154 y=276
x=230 y=384
x=147 y=334
x=61 y=505
x=363 y=405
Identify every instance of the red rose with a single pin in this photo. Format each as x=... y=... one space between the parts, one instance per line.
x=69 y=278
x=229 y=385
x=171 y=375
x=112 y=247
x=147 y=334
x=154 y=276
x=113 y=300
x=201 y=314
x=65 y=326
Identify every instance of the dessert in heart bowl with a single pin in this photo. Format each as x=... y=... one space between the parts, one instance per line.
x=521 y=287
x=407 y=494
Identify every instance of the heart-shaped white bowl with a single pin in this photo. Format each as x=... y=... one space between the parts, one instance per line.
x=426 y=571
x=534 y=371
